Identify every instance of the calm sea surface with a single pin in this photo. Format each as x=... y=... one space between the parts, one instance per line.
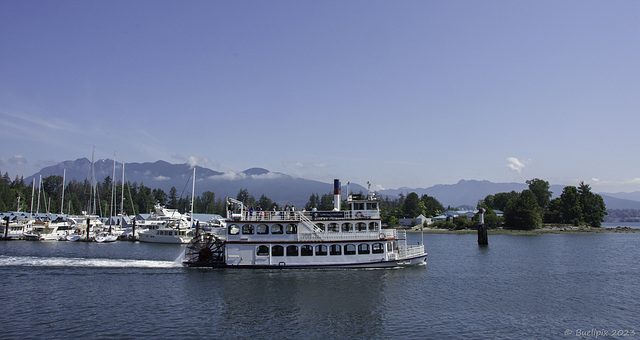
x=547 y=286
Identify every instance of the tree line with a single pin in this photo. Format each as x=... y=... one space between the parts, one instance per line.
x=528 y=209
x=533 y=207
x=81 y=196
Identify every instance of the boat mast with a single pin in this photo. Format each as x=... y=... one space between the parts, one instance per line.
x=113 y=191
x=64 y=176
x=92 y=195
x=122 y=196
x=33 y=191
x=193 y=190
x=38 y=205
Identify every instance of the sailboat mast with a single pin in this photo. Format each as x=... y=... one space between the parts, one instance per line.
x=92 y=196
x=64 y=176
x=113 y=191
x=193 y=190
x=39 y=187
x=33 y=192
x=122 y=196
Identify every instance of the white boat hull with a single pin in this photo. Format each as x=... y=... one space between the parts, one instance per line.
x=151 y=238
x=415 y=261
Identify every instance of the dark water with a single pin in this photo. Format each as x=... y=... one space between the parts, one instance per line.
x=518 y=287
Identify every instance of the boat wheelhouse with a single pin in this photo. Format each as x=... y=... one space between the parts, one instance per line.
x=350 y=238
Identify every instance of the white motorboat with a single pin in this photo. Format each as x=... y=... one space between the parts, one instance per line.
x=105 y=237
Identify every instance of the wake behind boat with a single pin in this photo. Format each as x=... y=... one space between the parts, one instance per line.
x=351 y=238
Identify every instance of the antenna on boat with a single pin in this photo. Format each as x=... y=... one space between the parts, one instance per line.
x=348 y=190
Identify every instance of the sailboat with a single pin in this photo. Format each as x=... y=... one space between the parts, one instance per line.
x=109 y=236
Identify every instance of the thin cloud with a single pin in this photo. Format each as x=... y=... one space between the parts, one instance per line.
x=230 y=176
x=18 y=160
x=515 y=164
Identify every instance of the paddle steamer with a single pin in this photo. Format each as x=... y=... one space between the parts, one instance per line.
x=350 y=238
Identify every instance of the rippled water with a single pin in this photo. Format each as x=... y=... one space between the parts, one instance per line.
x=517 y=287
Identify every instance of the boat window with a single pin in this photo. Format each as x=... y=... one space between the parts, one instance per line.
x=321 y=226
x=377 y=248
x=262 y=251
x=276 y=229
x=306 y=250
x=247 y=229
x=349 y=249
x=373 y=226
x=389 y=247
x=292 y=228
x=262 y=229
x=361 y=226
x=363 y=248
x=358 y=206
x=333 y=227
x=372 y=206
x=292 y=250
x=277 y=251
x=347 y=227
x=335 y=249
x=234 y=229
x=321 y=250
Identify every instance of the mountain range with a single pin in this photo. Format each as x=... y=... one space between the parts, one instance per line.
x=283 y=188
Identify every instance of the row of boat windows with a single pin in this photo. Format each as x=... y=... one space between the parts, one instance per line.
x=172 y=232
x=262 y=229
x=323 y=250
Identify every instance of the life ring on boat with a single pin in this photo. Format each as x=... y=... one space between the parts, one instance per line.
x=359 y=215
x=382 y=236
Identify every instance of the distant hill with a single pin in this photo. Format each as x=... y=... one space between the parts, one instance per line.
x=281 y=188
x=285 y=189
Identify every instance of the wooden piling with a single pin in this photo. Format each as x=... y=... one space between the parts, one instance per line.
x=483 y=239
x=6 y=227
x=88 y=229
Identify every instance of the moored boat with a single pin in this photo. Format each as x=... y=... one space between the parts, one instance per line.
x=351 y=238
x=168 y=226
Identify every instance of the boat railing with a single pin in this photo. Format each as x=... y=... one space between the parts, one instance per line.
x=410 y=250
x=384 y=234
x=332 y=236
x=284 y=215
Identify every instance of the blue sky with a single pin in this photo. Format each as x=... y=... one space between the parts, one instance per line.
x=400 y=94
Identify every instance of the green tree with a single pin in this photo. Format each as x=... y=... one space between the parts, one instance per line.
x=326 y=202
x=592 y=205
x=208 y=203
x=314 y=202
x=571 y=207
x=432 y=207
x=499 y=201
x=144 y=199
x=173 y=198
x=244 y=197
x=553 y=214
x=413 y=206
x=540 y=189
x=160 y=196
x=265 y=202
x=523 y=212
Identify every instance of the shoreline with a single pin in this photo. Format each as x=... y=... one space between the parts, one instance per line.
x=538 y=231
